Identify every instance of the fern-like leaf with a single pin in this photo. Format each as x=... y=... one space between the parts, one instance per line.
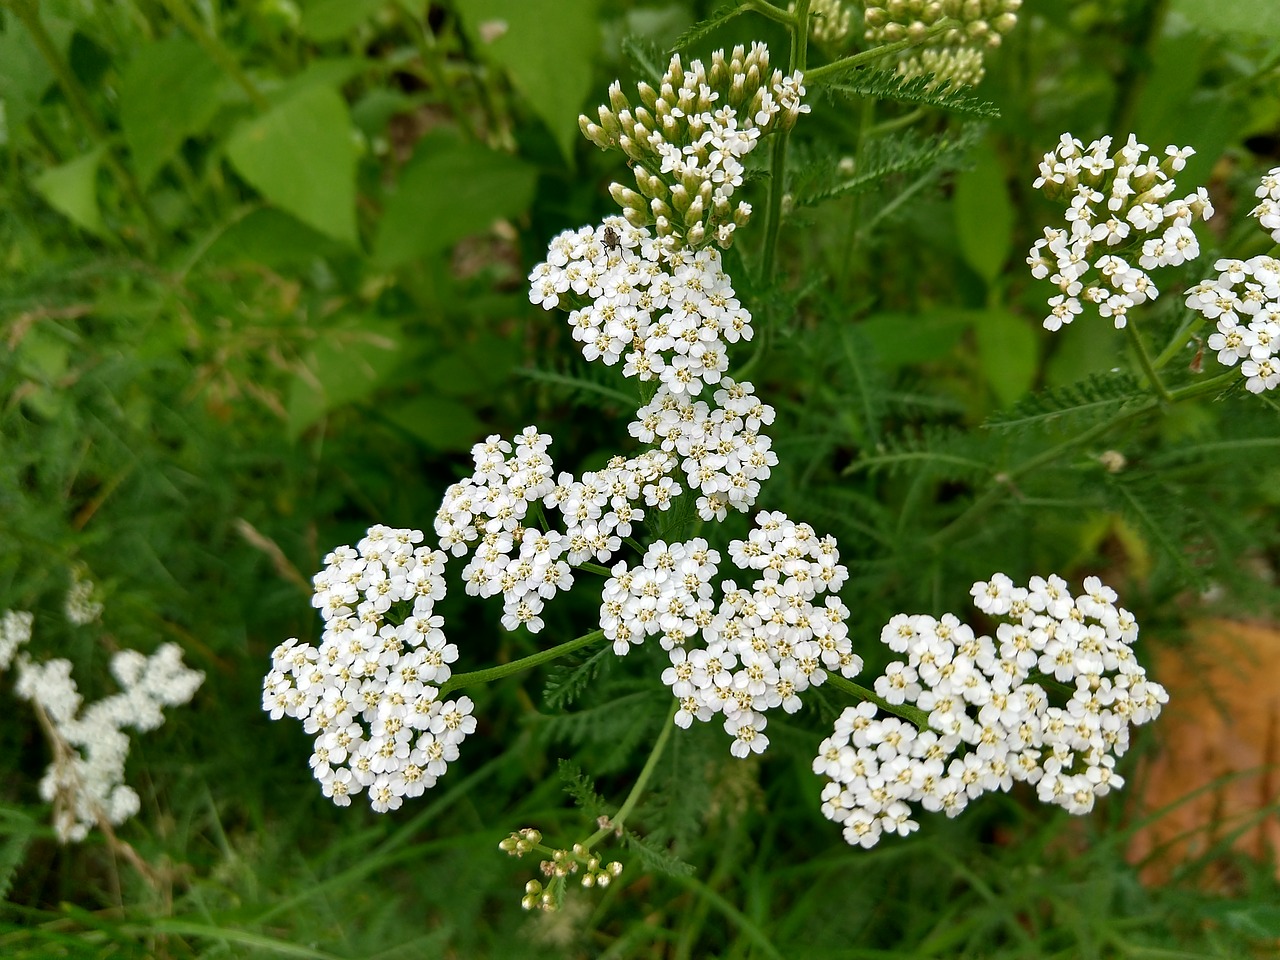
x=722 y=15
x=654 y=858
x=582 y=789
x=906 y=153
x=1099 y=397
x=887 y=85
x=568 y=680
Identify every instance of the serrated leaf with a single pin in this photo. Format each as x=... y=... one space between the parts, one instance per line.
x=984 y=214
x=447 y=191
x=72 y=190
x=655 y=859
x=300 y=156
x=888 y=85
x=582 y=789
x=1009 y=351
x=547 y=48
x=169 y=92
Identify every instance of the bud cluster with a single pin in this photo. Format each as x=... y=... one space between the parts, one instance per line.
x=559 y=865
x=953 y=55
x=1119 y=208
x=829 y=20
x=686 y=138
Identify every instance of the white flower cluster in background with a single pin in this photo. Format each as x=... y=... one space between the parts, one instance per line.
x=990 y=704
x=1268 y=211
x=81 y=607
x=85 y=782
x=686 y=138
x=762 y=645
x=1244 y=304
x=829 y=20
x=1122 y=220
x=369 y=692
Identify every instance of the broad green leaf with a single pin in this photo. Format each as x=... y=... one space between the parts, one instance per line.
x=168 y=92
x=301 y=157
x=447 y=191
x=331 y=72
x=984 y=214
x=24 y=73
x=72 y=190
x=1257 y=17
x=345 y=366
x=546 y=47
x=1008 y=350
x=439 y=422
x=273 y=238
x=333 y=19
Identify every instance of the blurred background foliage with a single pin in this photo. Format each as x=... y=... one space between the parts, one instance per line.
x=262 y=284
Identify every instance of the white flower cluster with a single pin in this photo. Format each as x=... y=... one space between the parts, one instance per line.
x=1244 y=304
x=686 y=138
x=721 y=450
x=991 y=720
x=764 y=645
x=369 y=692
x=81 y=607
x=85 y=781
x=1268 y=211
x=668 y=313
x=1120 y=207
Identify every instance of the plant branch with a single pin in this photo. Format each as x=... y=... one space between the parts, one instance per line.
x=1144 y=359
x=519 y=666
x=619 y=819
x=909 y=713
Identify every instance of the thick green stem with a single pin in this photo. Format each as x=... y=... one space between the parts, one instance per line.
x=1144 y=359
x=907 y=712
x=1179 y=341
x=216 y=50
x=619 y=819
x=519 y=666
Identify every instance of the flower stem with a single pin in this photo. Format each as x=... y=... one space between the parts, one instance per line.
x=845 y=64
x=1180 y=340
x=767 y=9
x=911 y=714
x=519 y=666
x=1144 y=359
x=619 y=819
x=778 y=161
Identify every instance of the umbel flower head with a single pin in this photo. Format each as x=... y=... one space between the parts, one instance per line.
x=1121 y=220
x=1048 y=700
x=761 y=646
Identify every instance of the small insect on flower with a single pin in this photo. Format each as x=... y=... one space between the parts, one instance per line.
x=610 y=239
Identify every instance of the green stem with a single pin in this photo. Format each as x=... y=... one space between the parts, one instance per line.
x=1180 y=340
x=778 y=160
x=216 y=50
x=1144 y=359
x=519 y=666
x=28 y=12
x=909 y=713
x=766 y=9
x=845 y=64
x=619 y=819
x=429 y=51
